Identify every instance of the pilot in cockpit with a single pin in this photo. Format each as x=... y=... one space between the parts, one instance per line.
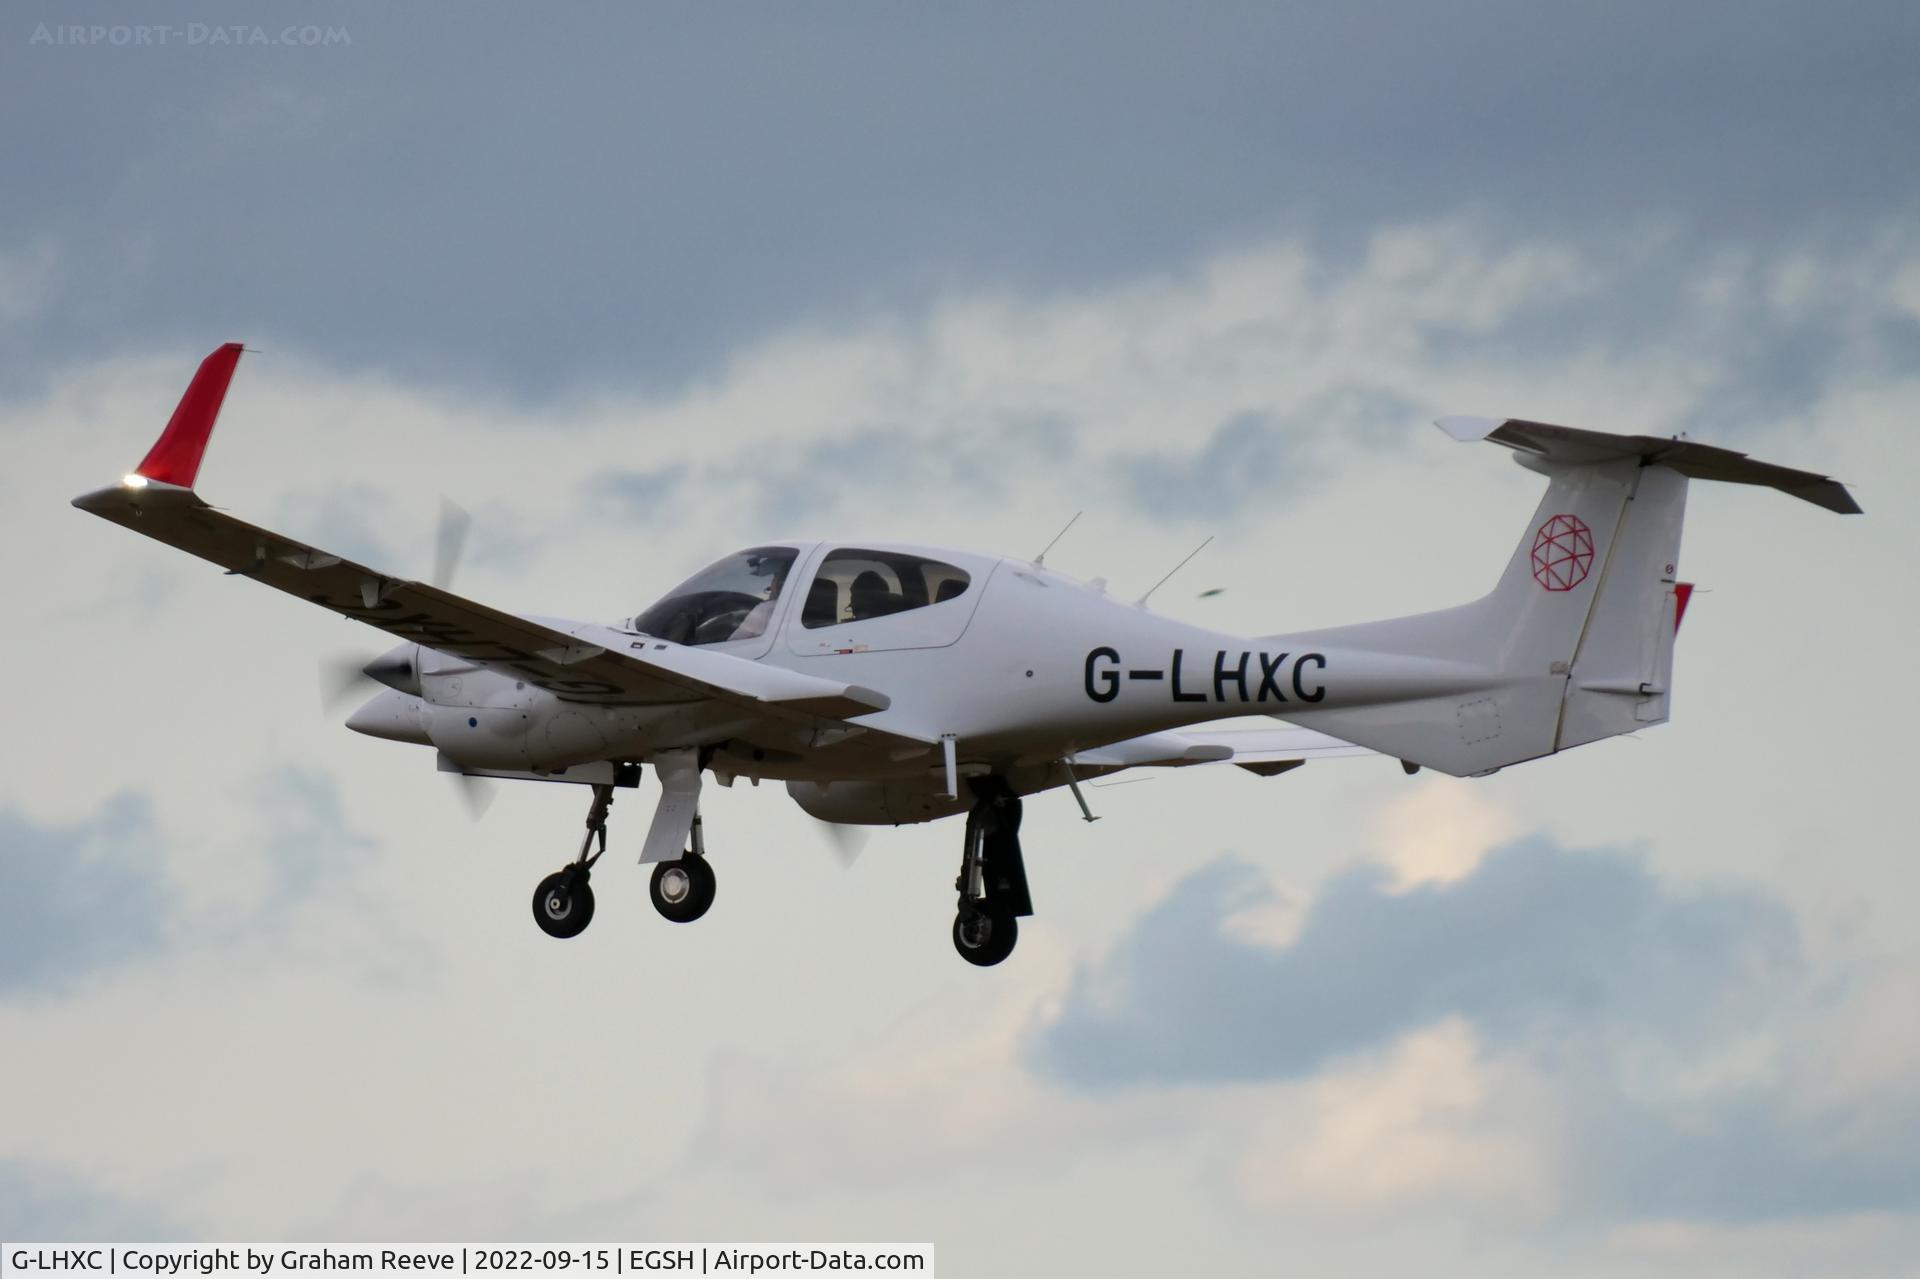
x=730 y=600
x=760 y=616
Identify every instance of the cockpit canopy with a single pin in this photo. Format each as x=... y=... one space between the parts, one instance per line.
x=729 y=600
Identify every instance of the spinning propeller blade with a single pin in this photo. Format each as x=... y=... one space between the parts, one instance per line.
x=449 y=542
x=343 y=681
x=845 y=841
x=475 y=792
x=343 y=676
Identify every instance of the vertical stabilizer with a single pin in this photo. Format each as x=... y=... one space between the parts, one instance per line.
x=1622 y=674
x=1575 y=642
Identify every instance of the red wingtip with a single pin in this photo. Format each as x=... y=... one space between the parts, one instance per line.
x=175 y=456
x=1682 y=592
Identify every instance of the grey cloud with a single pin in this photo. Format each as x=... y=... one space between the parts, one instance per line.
x=639 y=492
x=972 y=457
x=1745 y=1154
x=311 y=846
x=662 y=187
x=1575 y=962
x=1537 y=937
x=39 y=1203
x=78 y=897
x=1258 y=456
x=1766 y=344
x=1248 y=455
x=82 y=897
x=792 y=486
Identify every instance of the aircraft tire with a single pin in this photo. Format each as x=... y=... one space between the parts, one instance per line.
x=563 y=903
x=984 y=938
x=683 y=890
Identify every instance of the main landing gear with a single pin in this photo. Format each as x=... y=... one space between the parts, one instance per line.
x=993 y=877
x=682 y=890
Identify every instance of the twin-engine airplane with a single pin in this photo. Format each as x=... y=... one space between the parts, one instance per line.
x=889 y=683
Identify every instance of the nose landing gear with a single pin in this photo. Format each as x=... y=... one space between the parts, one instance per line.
x=682 y=890
x=993 y=877
x=563 y=903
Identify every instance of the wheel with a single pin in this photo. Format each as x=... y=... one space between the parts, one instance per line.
x=682 y=890
x=563 y=904
x=984 y=937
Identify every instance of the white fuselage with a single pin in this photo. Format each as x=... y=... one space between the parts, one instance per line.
x=1023 y=669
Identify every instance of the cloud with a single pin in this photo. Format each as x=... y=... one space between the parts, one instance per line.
x=39 y=1203
x=1535 y=936
x=310 y=845
x=1013 y=409
x=679 y=192
x=1552 y=1034
x=1429 y=1122
x=638 y=492
x=78 y=897
x=1259 y=457
x=26 y=280
x=1439 y=832
x=1247 y=379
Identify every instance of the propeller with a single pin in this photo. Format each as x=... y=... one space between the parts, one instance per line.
x=476 y=793
x=343 y=676
x=845 y=841
x=343 y=681
x=449 y=542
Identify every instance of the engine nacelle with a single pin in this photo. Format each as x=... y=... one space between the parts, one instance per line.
x=874 y=803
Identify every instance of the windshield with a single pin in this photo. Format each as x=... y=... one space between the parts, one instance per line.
x=730 y=600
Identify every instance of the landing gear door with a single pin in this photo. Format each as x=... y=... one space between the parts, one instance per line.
x=860 y=599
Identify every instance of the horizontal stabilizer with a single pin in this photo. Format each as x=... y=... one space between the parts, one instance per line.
x=1572 y=446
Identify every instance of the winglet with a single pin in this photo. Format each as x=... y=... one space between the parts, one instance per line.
x=175 y=456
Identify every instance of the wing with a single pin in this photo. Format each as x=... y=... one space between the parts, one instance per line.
x=1266 y=751
x=574 y=662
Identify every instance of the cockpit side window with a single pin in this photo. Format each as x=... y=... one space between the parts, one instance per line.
x=730 y=600
x=858 y=586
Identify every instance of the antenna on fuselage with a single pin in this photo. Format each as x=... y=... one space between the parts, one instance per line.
x=1142 y=601
x=1040 y=560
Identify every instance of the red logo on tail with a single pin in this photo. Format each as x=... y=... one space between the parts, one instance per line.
x=1562 y=553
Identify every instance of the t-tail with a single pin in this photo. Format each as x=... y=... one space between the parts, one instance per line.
x=1575 y=643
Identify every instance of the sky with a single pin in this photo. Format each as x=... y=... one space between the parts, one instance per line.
x=638 y=285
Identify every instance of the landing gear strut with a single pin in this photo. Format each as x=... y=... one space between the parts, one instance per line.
x=993 y=877
x=563 y=903
x=683 y=890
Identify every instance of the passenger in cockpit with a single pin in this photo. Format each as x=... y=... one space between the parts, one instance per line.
x=870 y=596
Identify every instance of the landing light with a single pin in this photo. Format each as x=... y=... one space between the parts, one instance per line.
x=135 y=481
